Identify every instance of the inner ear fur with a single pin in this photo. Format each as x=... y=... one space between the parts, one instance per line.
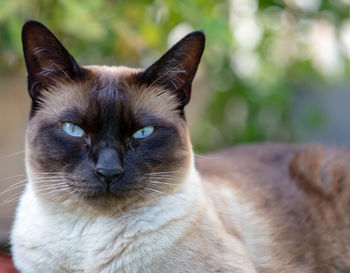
x=46 y=59
x=176 y=69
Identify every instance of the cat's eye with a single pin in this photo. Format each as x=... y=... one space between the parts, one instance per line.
x=72 y=129
x=144 y=132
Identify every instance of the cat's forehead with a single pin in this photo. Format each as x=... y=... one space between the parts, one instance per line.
x=110 y=86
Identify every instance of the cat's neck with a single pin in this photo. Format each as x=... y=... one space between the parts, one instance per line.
x=166 y=218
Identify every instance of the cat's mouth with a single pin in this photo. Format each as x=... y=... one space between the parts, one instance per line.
x=90 y=190
x=129 y=188
x=107 y=199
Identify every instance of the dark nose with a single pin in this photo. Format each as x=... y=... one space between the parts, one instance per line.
x=107 y=175
x=108 y=166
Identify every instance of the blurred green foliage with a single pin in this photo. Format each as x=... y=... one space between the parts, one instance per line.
x=257 y=51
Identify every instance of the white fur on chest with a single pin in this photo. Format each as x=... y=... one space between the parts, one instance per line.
x=45 y=240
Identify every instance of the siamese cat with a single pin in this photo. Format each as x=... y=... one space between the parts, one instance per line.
x=114 y=185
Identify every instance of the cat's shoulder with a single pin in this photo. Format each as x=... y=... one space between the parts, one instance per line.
x=245 y=158
x=314 y=168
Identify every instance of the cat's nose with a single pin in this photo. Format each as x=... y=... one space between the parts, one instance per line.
x=107 y=175
x=108 y=166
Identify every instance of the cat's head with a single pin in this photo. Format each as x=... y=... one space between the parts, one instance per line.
x=107 y=135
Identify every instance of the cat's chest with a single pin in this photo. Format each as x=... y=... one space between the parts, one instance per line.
x=74 y=243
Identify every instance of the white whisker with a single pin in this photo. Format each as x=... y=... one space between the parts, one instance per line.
x=12 y=154
x=23 y=182
x=11 y=177
x=12 y=199
x=171 y=196
x=160 y=192
x=45 y=192
x=14 y=186
x=160 y=182
x=166 y=178
x=166 y=172
x=45 y=187
x=143 y=194
x=49 y=180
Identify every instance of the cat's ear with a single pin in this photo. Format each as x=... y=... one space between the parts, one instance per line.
x=175 y=70
x=46 y=59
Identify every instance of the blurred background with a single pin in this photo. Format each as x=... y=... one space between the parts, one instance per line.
x=273 y=70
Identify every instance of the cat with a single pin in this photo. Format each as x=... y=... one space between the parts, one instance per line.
x=115 y=187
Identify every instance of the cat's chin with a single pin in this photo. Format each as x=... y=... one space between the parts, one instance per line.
x=104 y=201
x=111 y=202
x=101 y=204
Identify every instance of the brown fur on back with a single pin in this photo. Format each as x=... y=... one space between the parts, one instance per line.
x=122 y=194
x=290 y=205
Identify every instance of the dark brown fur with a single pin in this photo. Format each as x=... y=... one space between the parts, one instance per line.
x=125 y=107
x=258 y=208
x=110 y=104
x=301 y=195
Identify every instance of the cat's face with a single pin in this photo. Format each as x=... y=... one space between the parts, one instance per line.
x=107 y=135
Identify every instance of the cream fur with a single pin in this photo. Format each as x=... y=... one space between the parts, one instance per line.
x=73 y=241
x=234 y=215
x=257 y=208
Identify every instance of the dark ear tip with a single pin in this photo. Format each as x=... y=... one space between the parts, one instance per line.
x=197 y=36
x=199 y=32
x=30 y=25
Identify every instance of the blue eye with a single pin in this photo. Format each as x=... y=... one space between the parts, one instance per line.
x=144 y=132
x=72 y=129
